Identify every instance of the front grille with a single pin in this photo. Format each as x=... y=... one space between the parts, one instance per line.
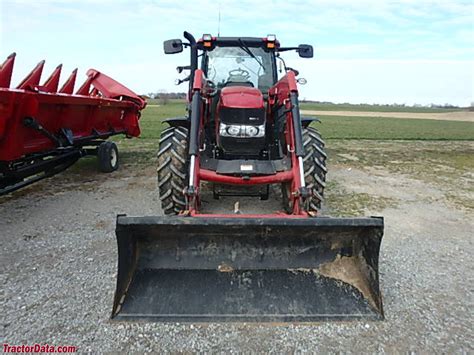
x=243 y=116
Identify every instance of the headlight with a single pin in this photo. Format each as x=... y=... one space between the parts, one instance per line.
x=251 y=131
x=241 y=131
x=233 y=130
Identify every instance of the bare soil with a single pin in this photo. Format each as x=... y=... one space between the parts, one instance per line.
x=465 y=116
x=58 y=259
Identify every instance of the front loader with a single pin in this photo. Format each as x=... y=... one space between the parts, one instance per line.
x=243 y=132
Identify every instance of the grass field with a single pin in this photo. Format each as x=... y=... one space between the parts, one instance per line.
x=334 y=127
x=152 y=117
x=343 y=127
x=445 y=164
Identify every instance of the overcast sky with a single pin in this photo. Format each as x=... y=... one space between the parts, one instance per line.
x=365 y=51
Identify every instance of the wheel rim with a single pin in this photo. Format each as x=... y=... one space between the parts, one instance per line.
x=113 y=157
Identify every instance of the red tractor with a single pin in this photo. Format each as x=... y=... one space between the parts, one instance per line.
x=244 y=129
x=244 y=136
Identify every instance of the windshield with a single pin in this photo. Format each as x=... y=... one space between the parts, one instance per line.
x=247 y=65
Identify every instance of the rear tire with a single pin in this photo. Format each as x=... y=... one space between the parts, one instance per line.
x=107 y=156
x=314 y=164
x=173 y=169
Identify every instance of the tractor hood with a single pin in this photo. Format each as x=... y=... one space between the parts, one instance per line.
x=241 y=97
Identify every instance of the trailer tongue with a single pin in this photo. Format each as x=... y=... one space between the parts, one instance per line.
x=247 y=269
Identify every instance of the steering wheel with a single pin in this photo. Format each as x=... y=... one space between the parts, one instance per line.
x=212 y=87
x=211 y=84
x=238 y=75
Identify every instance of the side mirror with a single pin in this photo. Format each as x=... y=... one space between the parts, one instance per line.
x=305 y=51
x=302 y=81
x=173 y=46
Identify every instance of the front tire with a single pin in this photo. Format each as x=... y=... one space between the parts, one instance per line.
x=314 y=164
x=173 y=169
x=315 y=170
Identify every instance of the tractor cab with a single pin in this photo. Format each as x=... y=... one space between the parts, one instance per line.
x=235 y=61
x=231 y=61
x=239 y=73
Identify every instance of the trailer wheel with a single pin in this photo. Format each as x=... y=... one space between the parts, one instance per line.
x=108 y=157
x=314 y=163
x=173 y=169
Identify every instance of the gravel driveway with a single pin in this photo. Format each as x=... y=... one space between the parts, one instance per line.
x=58 y=261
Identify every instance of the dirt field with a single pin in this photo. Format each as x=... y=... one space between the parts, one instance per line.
x=464 y=116
x=58 y=256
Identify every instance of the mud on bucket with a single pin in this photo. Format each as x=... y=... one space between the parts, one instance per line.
x=248 y=269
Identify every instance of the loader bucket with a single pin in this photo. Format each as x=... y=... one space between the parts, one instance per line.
x=214 y=269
